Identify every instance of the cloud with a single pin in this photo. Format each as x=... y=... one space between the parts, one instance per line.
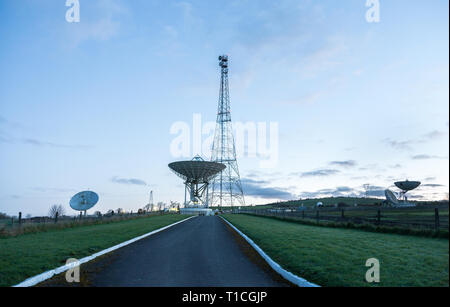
x=38 y=143
x=378 y=192
x=104 y=28
x=416 y=196
x=130 y=181
x=426 y=157
x=258 y=188
x=399 y=145
x=408 y=144
x=398 y=165
x=433 y=135
x=320 y=173
x=342 y=191
x=346 y=164
x=433 y=185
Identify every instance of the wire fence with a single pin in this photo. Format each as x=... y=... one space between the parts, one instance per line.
x=425 y=217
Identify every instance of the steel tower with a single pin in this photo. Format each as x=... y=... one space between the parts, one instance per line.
x=150 y=201
x=225 y=189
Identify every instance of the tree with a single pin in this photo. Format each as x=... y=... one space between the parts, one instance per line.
x=98 y=214
x=147 y=207
x=161 y=206
x=174 y=204
x=56 y=210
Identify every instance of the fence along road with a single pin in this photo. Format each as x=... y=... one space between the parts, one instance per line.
x=429 y=217
x=201 y=252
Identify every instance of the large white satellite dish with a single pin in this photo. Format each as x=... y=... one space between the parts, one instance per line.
x=407 y=186
x=390 y=197
x=196 y=175
x=83 y=201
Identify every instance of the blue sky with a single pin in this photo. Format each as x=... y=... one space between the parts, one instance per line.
x=90 y=105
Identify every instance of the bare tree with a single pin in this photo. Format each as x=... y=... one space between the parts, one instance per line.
x=161 y=206
x=147 y=207
x=56 y=210
x=174 y=204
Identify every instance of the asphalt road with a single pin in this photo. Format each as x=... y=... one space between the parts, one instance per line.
x=201 y=252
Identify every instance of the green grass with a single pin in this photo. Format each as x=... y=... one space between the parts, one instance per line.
x=336 y=257
x=31 y=254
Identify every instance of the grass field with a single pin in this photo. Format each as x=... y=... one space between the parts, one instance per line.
x=31 y=254
x=336 y=257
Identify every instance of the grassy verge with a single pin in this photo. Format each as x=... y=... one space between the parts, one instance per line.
x=336 y=257
x=31 y=254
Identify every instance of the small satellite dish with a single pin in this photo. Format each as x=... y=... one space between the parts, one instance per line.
x=83 y=201
x=390 y=197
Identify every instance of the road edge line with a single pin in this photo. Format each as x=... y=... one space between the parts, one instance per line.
x=32 y=281
x=296 y=280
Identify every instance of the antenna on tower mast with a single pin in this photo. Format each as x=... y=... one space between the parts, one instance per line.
x=226 y=188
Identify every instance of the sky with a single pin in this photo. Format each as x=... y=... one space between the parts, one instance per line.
x=91 y=105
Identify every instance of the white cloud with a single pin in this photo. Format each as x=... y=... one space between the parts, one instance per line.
x=104 y=26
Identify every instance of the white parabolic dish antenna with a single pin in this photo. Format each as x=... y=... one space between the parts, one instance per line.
x=83 y=201
x=407 y=185
x=390 y=196
x=196 y=175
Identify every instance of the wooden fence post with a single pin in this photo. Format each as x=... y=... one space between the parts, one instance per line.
x=303 y=214
x=317 y=215
x=20 y=218
x=56 y=217
x=379 y=217
x=342 y=214
x=436 y=219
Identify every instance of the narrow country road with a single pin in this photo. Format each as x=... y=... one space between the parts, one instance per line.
x=201 y=252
